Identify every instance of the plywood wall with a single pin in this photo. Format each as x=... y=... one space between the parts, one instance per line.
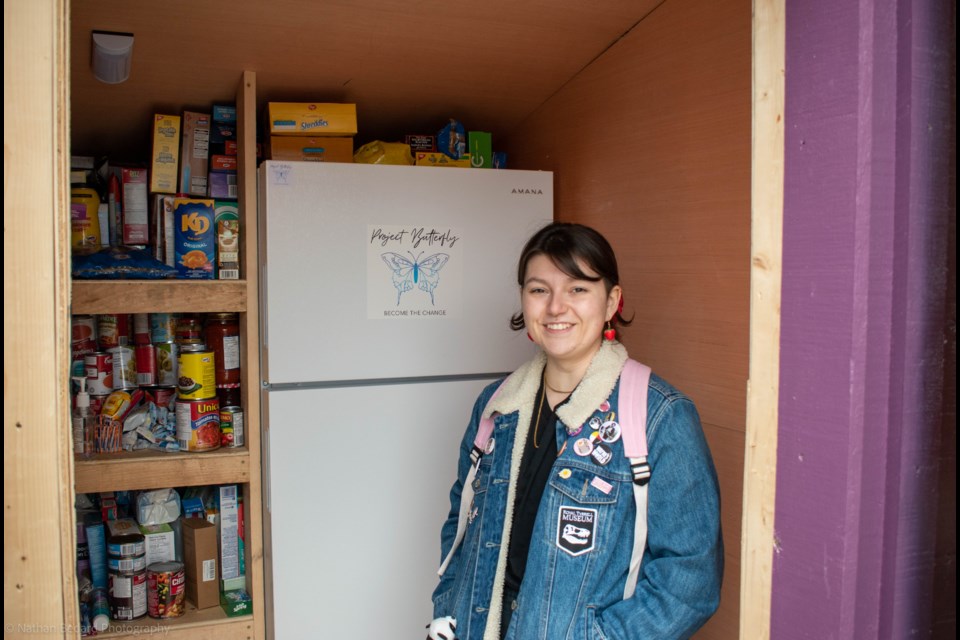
x=651 y=145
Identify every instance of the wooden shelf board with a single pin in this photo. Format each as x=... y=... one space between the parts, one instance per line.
x=216 y=626
x=148 y=469
x=158 y=296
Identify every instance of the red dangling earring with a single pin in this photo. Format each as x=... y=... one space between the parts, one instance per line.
x=610 y=333
x=530 y=337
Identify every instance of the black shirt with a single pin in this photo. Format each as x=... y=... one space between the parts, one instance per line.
x=539 y=454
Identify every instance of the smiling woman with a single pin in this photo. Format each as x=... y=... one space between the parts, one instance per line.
x=564 y=518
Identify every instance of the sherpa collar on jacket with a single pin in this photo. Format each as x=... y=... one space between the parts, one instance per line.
x=597 y=384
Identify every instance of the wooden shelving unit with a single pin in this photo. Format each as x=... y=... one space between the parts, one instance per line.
x=149 y=469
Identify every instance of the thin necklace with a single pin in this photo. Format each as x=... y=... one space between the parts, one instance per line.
x=536 y=425
x=566 y=393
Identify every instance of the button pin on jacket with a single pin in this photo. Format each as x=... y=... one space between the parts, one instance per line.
x=565 y=473
x=583 y=447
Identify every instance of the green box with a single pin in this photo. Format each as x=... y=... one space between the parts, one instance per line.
x=236 y=603
x=480 y=146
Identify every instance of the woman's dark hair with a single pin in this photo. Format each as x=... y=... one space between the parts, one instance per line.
x=566 y=243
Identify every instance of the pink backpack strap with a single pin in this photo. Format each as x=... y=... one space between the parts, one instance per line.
x=634 y=383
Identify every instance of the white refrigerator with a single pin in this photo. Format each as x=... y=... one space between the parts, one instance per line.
x=386 y=294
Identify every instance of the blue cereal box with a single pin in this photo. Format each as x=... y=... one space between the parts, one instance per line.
x=195 y=238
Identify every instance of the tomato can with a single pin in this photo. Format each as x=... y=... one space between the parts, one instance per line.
x=231 y=427
x=146 y=360
x=166 y=588
x=98 y=367
x=124 y=367
x=197 y=374
x=83 y=330
x=198 y=424
x=167 y=370
x=113 y=330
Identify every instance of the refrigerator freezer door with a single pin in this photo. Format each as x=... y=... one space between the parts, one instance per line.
x=358 y=489
x=379 y=272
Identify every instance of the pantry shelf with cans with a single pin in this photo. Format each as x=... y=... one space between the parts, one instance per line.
x=164 y=385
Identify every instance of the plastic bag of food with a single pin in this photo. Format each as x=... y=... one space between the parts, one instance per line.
x=119 y=263
x=452 y=140
x=161 y=506
x=379 y=152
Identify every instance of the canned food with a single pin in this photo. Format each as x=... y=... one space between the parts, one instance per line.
x=167 y=370
x=166 y=588
x=98 y=368
x=83 y=329
x=162 y=396
x=197 y=379
x=163 y=327
x=141 y=328
x=198 y=424
x=113 y=330
x=128 y=595
x=146 y=360
x=231 y=427
x=127 y=564
x=124 y=367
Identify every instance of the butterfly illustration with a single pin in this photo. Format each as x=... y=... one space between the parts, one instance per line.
x=407 y=274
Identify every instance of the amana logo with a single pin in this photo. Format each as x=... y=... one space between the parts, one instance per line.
x=528 y=192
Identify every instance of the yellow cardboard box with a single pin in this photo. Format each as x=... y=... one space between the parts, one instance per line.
x=426 y=159
x=165 y=158
x=319 y=149
x=311 y=119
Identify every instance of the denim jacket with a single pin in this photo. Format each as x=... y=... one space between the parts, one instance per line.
x=583 y=534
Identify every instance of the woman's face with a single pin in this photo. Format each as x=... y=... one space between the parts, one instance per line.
x=564 y=315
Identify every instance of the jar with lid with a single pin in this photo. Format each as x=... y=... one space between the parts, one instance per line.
x=223 y=338
x=189 y=331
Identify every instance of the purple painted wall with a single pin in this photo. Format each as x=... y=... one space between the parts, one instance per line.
x=869 y=165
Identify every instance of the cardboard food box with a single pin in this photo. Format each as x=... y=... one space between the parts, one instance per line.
x=425 y=159
x=229 y=532
x=165 y=156
x=311 y=149
x=195 y=153
x=136 y=208
x=311 y=119
x=195 y=238
x=228 y=240
x=200 y=562
x=159 y=543
x=236 y=603
x=480 y=144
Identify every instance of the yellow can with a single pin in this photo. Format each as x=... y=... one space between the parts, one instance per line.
x=84 y=220
x=197 y=378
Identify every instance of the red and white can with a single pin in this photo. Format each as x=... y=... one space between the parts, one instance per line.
x=146 y=358
x=141 y=328
x=83 y=337
x=198 y=424
x=99 y=370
